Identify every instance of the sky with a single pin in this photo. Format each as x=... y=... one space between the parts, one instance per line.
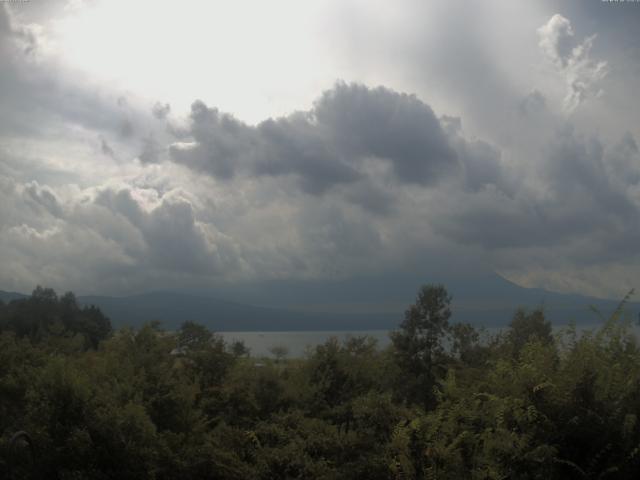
x=200 y=145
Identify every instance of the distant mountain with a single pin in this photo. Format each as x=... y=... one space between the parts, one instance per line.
x=6 y=297
x=481 y=298
x=172 y=309
x=357 y=304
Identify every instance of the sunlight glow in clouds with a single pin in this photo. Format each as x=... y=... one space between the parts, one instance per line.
x=255 y=59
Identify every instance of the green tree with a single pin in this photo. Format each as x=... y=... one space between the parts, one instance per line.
x=418 y=344
x=466 y=344
x=527 y=326
x=57 y=321
x=193 y=336
x=280 y=352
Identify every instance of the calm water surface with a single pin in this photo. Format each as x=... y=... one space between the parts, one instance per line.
x=297 y=343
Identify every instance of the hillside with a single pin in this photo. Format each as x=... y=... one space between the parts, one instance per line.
x=357 y=304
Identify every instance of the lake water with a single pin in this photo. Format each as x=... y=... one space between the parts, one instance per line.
x=298 y=342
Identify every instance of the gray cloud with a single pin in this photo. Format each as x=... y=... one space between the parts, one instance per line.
x=466 y=194
x=377 y=199
x=106 y=149
x=151 y=151
x=480 y=161
x=220 y=143
x=327 y=145
x=43 y=198
x=174 y=239
x=532 y=103
x=398 y=128
x=120 y=233
x=161 y=110
x=295 y=146
x=586 y=190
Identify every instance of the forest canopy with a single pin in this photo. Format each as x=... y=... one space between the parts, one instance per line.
x=443 y=401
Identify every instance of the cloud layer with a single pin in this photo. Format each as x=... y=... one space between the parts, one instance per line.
x=103 y=192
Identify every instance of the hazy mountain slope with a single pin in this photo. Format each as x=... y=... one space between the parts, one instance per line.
x=8 y=296
x=174 y=308
x=484 y=298
x=355 y=304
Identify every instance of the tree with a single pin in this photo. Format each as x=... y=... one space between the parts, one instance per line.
x=279 y=352
x=194 y=336
x=526 y=326
x=418 y=347
x=466 y=344
x=239 y=349
x=57 y=321
x=206 y=352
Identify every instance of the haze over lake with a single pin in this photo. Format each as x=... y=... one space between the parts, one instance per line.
x=299 y=343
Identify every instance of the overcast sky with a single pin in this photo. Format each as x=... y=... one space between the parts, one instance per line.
x=187 y=144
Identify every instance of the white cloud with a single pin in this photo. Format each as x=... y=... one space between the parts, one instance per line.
x=582 y=73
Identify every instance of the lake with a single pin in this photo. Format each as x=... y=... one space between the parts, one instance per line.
x=298 y=341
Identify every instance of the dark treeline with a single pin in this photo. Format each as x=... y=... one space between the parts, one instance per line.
x=439 y=403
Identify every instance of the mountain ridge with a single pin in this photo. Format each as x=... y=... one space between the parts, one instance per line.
x=490 y=303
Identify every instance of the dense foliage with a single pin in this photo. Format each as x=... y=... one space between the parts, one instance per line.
x=442 y=402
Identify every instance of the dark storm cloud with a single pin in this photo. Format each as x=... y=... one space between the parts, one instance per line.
x=381 y=123
x=594 y=190
x=295 y=145
x=373 y=198
x=585 y=190
x=576 y=171
x=489 y=219
x=175 y=241
x=479 y=160
x=325 y=146
x=221 y=144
